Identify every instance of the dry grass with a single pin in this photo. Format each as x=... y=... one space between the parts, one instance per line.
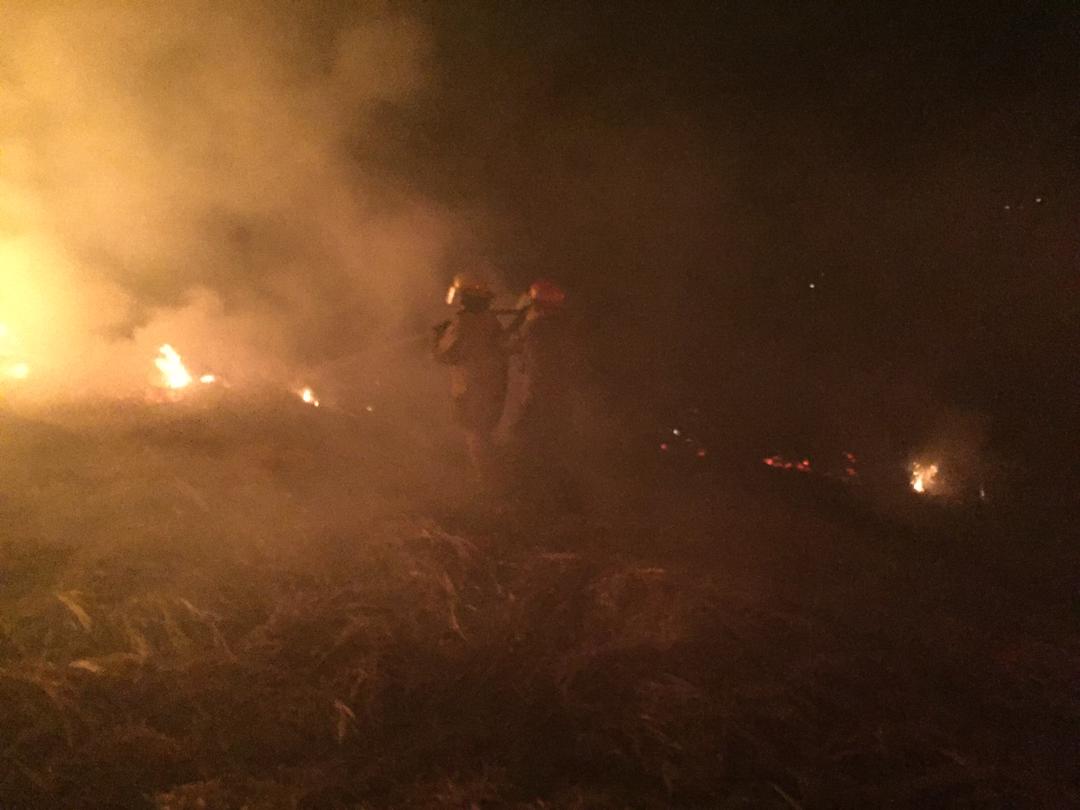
x=282 y=610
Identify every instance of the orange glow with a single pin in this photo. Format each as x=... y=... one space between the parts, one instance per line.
x=781 y=463
x=11 y=365
x=923 y=477
x=309 y=397
x=778 y=461
x=19 y=371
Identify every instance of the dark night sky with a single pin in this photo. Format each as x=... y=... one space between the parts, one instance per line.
x=690 y=169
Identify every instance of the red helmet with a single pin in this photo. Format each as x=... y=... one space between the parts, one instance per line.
x=547 y=295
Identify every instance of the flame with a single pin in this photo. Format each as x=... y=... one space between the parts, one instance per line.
x=923 y=477
x=173 y=372
x=308 y=396
x=208 y=379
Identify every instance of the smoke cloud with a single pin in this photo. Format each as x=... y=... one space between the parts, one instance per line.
x=197 y=173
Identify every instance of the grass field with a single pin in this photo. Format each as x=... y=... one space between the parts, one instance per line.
x=280 y=607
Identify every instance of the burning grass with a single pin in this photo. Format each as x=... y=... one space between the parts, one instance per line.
x=280 y=607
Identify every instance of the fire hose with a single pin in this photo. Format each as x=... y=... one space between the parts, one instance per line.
x=425 y=335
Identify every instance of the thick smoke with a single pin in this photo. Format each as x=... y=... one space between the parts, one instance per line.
x=199 y=173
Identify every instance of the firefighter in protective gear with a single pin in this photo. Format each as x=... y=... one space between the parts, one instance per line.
x=473 y=345
x=547 y=464
x=540 y=337
x=547 y=296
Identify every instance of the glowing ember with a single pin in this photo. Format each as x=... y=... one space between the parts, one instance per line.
x=781 y=463
x=309 y=397
x=843 y=469
x=923 y=477
x=207 y=379
x=174 y=374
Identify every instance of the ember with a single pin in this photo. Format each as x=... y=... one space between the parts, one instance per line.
x=308 y=396
x=781 y=463
x=684 y=442
x=850 y=470
x=842 y=469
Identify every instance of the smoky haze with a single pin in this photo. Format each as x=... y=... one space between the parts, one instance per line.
x=189 y=172
x=817 y=222
x=853 y=225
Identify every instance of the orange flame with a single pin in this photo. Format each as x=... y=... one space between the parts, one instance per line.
x=174 y=374
x=923 y=477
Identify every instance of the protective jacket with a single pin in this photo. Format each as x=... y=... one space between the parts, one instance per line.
x=473 y=346
x=546 y=360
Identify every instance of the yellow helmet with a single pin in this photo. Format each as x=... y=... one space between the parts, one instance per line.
x=465 y=286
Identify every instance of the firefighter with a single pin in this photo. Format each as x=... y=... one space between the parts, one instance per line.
x=540 y=337
x=543 y=431
x=473 y=345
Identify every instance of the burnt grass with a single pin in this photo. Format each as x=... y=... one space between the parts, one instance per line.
x=280 y=608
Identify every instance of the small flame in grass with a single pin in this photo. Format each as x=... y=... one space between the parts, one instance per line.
x=173 y=372
x=308 y=396
x=923 y=477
